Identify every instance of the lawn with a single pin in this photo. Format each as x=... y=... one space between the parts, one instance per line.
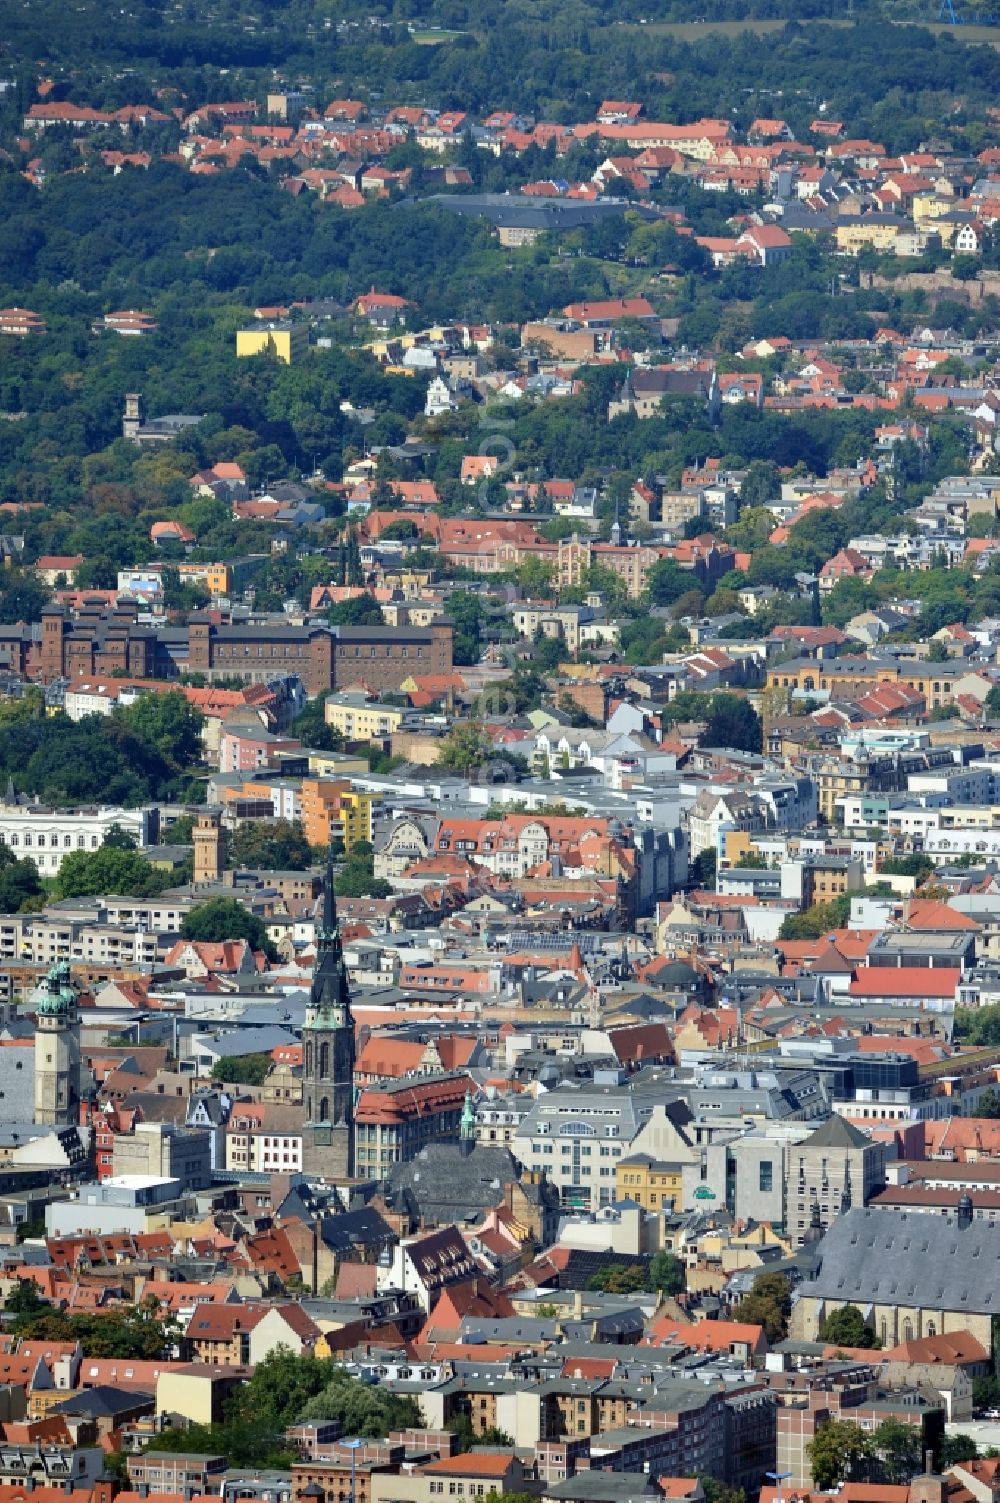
x=433 y=36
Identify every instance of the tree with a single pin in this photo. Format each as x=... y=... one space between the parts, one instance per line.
x=137 y=1331
x=285 y=1388
x=24 y=1300
x=916 y=865
x=167 y=723
x=988 y=1104
x=20 y=887
x=846 y=1327
x=464 y=1431
x=224 y=918
x=118 y=839
x=719 y=1492
x=22 y=596
x=619 y=1278
x=494 y=1436
x=702 y=870
x=465 y=747
x=359 y=610
x=111 y=869
x=899 y=1449
x=978 y=1025
x=817 y=920
x=312 y=730
x=360 y=1410
x=986 y=1392
x=966 y=269
x=535 y=577
x=956 y=1448
x=691 y=603
x=666 y=1273
x=768 y=1304
x=243 y=1069
x=467 y=614
x=837 y=1452
x=270 y=845
x=357 y=879
x=732 y=723
x=761 y=484
x=666 y=582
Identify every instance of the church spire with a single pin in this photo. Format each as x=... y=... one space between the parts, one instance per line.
x=328 y=933
x=330 y=995
x=328 y=1052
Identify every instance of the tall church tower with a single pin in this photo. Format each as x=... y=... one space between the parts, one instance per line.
x=57 y=1050
x=328 y=1055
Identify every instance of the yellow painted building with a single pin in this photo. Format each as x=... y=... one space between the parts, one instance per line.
x=880 y=231
x=930 y=206
x=324 y=764
x=937 y=682
x=332 y=811
x=359 y=719
x=287 y=342
x=217 y=578
x=650 y=1184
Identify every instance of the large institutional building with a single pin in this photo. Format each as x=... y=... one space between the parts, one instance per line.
x=104 y=643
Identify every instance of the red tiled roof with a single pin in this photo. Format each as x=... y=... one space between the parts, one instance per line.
x=905 y=981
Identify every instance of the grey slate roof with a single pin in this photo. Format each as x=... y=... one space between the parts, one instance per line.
x=836 y=1132
x=104 y=1400
x=448 y=1186
x=363 y=1227
x=889 y=1258
x=244 y=1041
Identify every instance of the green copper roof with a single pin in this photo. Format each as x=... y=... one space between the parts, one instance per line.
x=56 y=995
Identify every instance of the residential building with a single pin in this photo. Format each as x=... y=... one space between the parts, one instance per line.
x=333 y=811
x=281 y=340
x=360 y=718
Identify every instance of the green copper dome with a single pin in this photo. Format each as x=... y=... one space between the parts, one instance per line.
x=56 y=996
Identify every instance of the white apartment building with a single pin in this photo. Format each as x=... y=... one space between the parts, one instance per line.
x=263 y=1150
x=47 y=835
x=45 y=941
x=942 y=843
x=711 y=813
x=577 y=1138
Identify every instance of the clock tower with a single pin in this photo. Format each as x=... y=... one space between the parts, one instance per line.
x=57 y=1050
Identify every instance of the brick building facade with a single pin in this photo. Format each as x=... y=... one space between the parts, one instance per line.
x=100 y=642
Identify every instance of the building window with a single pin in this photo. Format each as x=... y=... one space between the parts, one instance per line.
x=766 y=1176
